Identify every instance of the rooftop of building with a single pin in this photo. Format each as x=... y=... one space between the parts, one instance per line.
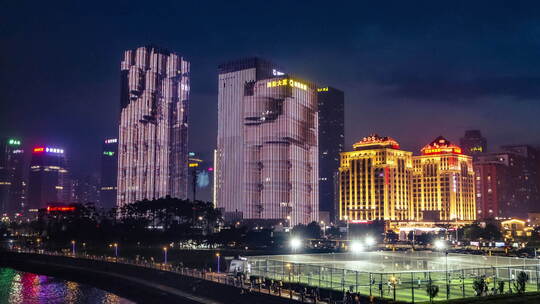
x=374 y=141
x=440 y=145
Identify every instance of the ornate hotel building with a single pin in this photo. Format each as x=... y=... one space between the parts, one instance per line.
x=374 y=181
x=443 y=183
x=152 y=144
x=267 y=146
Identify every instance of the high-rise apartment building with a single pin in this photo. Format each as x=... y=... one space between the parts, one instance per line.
x=152 y=148
x=496 y=184
x=48 y=180
x=109 y=171
x=331 y=143
x=473 y=143
x=375 y=181
x=267 y=151
x=12 y=184
x=443 y=183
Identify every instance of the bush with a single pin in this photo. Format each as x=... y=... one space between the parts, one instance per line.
x=432 y=291
x=480 y=286
x=521 y=282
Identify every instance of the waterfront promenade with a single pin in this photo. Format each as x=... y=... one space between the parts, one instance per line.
x=147 y=282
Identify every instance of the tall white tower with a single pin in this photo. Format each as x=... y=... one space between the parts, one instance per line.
x=152 y=148
x=267 y=150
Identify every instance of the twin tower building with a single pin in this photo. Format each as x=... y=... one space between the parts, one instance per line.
x=275 y=159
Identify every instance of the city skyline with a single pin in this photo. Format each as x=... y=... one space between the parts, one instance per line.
x=407 y=79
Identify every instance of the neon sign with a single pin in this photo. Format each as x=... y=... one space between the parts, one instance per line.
x=14 y=142
x=60 y=208
x=111 y=140
x=48 y=150
x=108 y=153
x=322 y=89
x=286 y=82
x=432 y=151
x=277 y=73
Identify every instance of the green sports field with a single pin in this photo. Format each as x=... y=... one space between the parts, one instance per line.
x=400 y=275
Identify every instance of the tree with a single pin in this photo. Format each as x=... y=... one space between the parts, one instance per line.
x=521 y=282
x=500 y=287
x=432 y=291
x=480 y=285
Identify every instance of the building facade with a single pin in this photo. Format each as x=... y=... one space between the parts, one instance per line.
x=443 y=183
x=473 y=143
x=109 y=171
x=152 y=148
x=12 y=184
x=331 y=143
x=48 y=179
x=375 y=181
x=267 y=150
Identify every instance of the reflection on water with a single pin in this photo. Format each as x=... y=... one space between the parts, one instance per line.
x=22 y=287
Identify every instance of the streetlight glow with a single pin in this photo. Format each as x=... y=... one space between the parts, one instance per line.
x=356 y=247
x=295 y=243
x=439 y=245
x=370 y=241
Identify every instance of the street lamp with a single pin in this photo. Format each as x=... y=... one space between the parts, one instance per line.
x=370 y=241
x=116 y=250
x=218 y=256
x=295 y=244
x=356 y=247
x=73 y=247
x=441 y=245
x=346 y=217
x=165 y=254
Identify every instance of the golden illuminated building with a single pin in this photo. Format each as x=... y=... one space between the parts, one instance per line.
x=374 y=181
x=443 y=183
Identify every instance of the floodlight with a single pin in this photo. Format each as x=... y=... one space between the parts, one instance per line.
x=356 y=247
x=295 y=243
x=370 y=241
x=439 y=244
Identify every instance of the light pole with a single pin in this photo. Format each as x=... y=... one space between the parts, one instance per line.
x=73 y=247
x=440 y=245
x=116 y=250
x=165 y=254
x=346 y=217
x=218 y=264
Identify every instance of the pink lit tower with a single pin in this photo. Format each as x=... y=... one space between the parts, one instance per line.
x=152 y=144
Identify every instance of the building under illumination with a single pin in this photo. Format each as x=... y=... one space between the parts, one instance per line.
x=48 y=180
x=152 y=144
x=267 y=151
x=12 y=184
x=375 y=181
x=109 y=171
x=443 y=183
x=331 y=142
x=473 y=143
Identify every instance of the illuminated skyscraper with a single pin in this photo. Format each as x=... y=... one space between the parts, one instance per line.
x=152 y=147
x=48 y=180
x=331 y=142
x=473 y=143
x=109 y=169
x=12 y=184
x=267 y=151
x=375 y=181
x=443 y=183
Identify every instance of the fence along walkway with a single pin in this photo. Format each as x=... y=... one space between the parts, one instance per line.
x=242 y=283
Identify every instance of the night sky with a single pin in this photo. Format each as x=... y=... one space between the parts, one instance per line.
x=409 y=69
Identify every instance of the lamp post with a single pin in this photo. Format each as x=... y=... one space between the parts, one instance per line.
x=346 y=217
x=218 y=264
x=440 y=245
x=165 y=254
x=73 y=247
x=115 y=245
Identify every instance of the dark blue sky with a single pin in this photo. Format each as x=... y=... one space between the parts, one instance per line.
x=410 y=69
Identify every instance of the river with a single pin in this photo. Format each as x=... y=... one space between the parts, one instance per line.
x=28 y=288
